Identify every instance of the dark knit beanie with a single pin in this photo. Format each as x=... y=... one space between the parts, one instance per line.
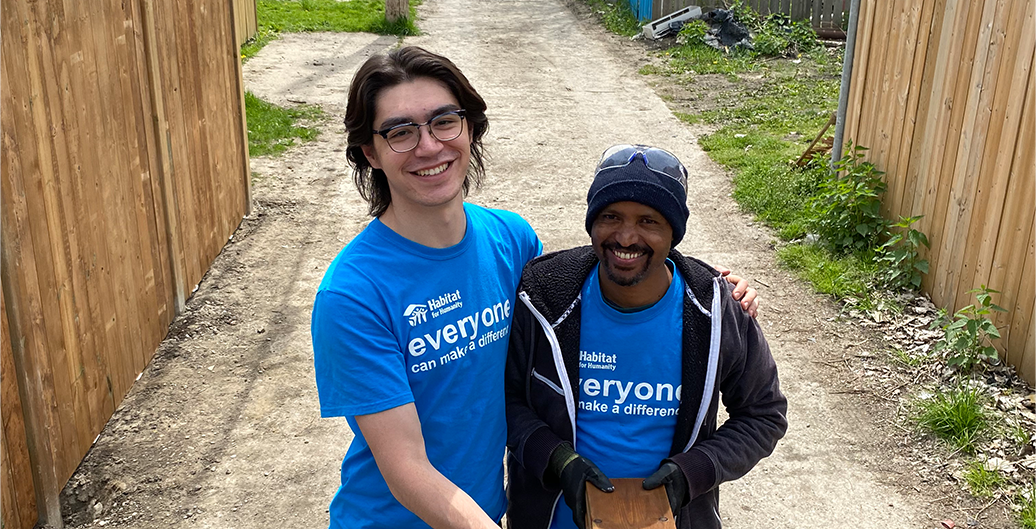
x=634 y=182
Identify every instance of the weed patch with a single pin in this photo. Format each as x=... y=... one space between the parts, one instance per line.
x=272 y=129
x=954 y=415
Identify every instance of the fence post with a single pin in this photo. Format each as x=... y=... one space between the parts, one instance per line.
x=396 y=9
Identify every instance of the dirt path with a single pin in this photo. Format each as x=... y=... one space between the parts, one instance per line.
x=222 y=429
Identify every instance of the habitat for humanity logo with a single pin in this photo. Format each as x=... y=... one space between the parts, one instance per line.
x=418 y=313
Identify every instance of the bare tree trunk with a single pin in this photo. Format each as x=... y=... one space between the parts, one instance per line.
x=396 y=9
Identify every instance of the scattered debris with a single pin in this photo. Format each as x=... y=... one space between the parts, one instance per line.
x=671 y=23
x=725 y=32
x=821 y=150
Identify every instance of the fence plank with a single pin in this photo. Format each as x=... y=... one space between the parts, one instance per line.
x=1019 y=342
x=919 y=169
x=876 y=69
x=893 y=88
x=899 y=196
x=940 y=141
x=897 y=114
x=16 y=482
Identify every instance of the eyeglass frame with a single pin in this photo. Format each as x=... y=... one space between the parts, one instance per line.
x=643 y=150
x=385 y=131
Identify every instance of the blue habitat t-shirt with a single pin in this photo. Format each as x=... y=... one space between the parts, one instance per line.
x=396 y=322
x=629 y=384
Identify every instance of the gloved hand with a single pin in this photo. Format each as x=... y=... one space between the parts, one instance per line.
x=675 y=482
x=573 y=472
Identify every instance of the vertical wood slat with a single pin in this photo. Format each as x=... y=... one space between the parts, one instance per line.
x=16 y=481
x=897 y=114
x=890 y=108
x=911 y=113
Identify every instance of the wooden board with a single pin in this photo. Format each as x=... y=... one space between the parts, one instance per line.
x=629 y=506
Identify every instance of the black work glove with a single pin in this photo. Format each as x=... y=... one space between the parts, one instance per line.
x=573 y=471
x=670 y=475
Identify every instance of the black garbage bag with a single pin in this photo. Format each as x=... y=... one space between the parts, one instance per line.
x=725 y=31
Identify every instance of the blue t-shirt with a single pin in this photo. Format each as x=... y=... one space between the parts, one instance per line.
x=396 y=322
x=629 y=384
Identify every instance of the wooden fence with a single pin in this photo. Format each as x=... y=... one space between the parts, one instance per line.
x=123 y=171
x=826 y=16
x=942 y=94
x=245 y=22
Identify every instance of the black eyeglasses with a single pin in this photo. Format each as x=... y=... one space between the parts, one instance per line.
x=657 y=160
x=405 y=136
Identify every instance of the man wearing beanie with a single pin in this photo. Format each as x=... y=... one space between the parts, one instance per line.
x=620 y=353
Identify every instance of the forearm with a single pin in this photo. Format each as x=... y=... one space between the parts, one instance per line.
x=397 y=443
x=424 y=491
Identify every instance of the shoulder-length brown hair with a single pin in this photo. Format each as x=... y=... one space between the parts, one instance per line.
x=385 y=71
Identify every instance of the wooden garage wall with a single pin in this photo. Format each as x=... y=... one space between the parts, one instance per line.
x=942 y=93
x=123 y=172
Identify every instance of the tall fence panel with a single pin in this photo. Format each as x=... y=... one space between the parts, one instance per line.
x=824 y=15
x=942 y=95
x=123 y=172
x=245 y=22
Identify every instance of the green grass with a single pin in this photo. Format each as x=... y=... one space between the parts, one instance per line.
x=954 y=415
x=841 y=277
x=297 y=16
x=272 y=129
x=616 y=16
x=1027 y=516
x=983 y=483
x=702 y=59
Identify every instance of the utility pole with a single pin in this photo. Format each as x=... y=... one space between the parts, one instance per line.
x=396 y=9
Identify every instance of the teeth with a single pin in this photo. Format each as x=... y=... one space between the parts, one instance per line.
x=626 y=255
x=433 y=171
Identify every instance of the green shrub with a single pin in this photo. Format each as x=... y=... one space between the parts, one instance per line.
x=692 y=33
x=899 y=260
x=846 y=211
x=968 y=339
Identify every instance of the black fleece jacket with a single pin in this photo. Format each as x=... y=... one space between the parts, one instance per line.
x=724 y=354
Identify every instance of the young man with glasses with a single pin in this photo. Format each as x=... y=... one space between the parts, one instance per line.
x=617 y=370
x=411 y=319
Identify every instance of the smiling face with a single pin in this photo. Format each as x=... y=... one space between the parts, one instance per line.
x=632 y=241
x=432 y=175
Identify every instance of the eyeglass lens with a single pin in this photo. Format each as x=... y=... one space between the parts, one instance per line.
x=444 y=127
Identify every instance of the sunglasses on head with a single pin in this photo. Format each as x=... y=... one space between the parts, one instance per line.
x=657 y=160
